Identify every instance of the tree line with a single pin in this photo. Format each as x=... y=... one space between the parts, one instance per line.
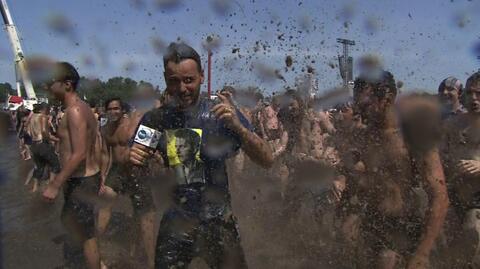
x=94 y=90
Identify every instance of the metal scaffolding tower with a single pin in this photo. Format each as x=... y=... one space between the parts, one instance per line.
x=345 y=61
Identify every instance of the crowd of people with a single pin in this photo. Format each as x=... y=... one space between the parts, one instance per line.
x=393 y=178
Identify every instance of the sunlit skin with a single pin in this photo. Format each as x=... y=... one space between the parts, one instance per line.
x=183 y=82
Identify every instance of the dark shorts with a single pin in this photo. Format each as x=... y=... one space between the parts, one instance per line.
x=135 y=187
x=27 y=139
x=78 y=213
x=194 y=228
x=43 y=154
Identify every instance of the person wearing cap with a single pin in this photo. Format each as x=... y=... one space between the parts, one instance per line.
x=449 y=92
x=200 y=222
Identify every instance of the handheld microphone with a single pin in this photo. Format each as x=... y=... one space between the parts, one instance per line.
x=147 y=136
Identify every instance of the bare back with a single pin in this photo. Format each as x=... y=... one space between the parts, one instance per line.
x=35 y=127
x=90 y=165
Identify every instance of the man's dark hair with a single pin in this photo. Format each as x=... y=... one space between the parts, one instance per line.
x=66 y=72
x=44 y=106
x=36 y=108
x=92 y=104
x=451 y=82
x=383 y=84
x=284 y=112
x=113 y=99
x=177 y=52
x=472 y=80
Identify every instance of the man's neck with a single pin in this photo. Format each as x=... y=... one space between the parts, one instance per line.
x=70 y=99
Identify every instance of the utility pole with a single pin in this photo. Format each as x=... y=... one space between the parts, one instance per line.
x=20 y=64
x=208 y=43
x=345 y=61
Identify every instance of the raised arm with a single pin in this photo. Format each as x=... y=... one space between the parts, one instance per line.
x=432 y=170
x=256 y=148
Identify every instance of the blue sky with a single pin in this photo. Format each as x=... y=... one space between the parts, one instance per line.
x=421 y=42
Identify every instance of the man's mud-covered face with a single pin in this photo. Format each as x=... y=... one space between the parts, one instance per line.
x=183 y=81
x=294 y=107
x=368 y=104
x=472 y=98
x=114 y=111
x=449 y=96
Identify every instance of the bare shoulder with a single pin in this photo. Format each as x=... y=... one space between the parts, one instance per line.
x=78 y=112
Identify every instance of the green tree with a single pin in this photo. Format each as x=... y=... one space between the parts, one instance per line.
x=5 y=90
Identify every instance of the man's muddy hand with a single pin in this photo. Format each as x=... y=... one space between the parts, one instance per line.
x=469 y=167
x=139 y=154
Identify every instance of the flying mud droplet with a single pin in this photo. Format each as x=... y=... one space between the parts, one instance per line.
x=138 y=4
x=158 y=45
x=400 y=84
x=305 y=22
x=289 y=61
x=372 y=25
x=310 y=69
x=168 y=4
x=211 y=42
x=129 y=66
x=347 y=12
x=87 y=61
x=61 y=25
x=267 y=73
x=461 y=19
x=221 y=7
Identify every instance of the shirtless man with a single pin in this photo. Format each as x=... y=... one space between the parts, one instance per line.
x=23 y=117
x=117 y=133
x=380 y=187
x=462 y=168
x=43 y=152
x=80 y=165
